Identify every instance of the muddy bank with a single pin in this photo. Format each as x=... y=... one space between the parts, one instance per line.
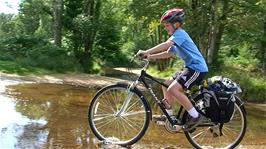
x=85 y=80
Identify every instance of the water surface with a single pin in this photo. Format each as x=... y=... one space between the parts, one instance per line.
x=55 y=116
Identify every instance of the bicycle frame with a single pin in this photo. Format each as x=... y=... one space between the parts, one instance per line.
x=142 y=79
x=134 y=104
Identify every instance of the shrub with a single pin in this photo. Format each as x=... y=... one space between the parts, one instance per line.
x=37 y=52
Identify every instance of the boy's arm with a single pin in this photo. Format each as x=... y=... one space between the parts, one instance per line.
x=160 y=47
x=161 y=55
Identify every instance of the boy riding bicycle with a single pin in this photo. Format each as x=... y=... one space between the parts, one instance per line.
x=182 y=45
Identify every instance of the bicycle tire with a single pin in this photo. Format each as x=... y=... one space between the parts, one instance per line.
x=233 y=131
x=123 y=130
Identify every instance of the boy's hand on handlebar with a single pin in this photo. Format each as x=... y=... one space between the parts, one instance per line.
x=142 y=54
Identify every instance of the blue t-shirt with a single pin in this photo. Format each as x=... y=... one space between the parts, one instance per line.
x=186 y=49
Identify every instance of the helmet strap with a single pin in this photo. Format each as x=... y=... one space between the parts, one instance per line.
x=175 y=28
x=173 y=24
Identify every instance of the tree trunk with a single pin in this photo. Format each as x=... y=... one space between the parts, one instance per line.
x=93 y=10
x=262 y=48
x=212 y=32
x=200 y=27
x=57 y=26
x=216 y=30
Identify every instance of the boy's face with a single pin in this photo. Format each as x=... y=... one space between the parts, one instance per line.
x=170 y=27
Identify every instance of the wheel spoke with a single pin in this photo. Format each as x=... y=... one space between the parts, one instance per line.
x=109 y=103
x=131 y=124
x=132 y=105
x=107 y=122
x=209 y=137
x=102 y=116
x=133 y=113
x=199 y=133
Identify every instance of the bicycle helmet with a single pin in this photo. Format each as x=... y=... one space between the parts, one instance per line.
x=173 y=15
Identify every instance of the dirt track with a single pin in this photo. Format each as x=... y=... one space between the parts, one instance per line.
x=86 y=80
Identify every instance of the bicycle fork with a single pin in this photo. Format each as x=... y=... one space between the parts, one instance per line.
x=128 y=98
x=125 y=104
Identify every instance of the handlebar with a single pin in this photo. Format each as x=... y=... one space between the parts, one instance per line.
x=142 y=59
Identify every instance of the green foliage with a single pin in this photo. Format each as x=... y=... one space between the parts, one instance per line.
x=107 y=46
x=101 y=33
x=243 y=56
x=167 y=73
x=30 y=15
x=247 y=26
x=83 y=23
x=253 y=84
x=4 y=23
x=36 y=52
x=16 y=68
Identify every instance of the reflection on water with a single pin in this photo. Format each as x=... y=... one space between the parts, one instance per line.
x=55 y=116
x=16 y=127
x=44 y=116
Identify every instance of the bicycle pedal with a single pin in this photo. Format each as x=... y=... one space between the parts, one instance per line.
x=177 y=127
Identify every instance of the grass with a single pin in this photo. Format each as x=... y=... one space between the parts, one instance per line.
x=15 y=68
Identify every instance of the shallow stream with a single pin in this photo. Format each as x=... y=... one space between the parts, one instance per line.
x=55 y=116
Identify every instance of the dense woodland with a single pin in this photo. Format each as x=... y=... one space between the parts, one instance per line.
x=88 y=35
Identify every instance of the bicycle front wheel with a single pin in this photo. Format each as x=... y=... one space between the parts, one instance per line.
x=110 y=122
x=209 y=135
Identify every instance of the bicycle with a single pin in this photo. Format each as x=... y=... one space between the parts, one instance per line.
x=123 y=109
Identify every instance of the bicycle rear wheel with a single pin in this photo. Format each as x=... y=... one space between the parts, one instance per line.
x=208 y=135
x=125 y=128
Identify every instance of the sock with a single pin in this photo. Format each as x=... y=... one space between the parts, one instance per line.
x=193 y=112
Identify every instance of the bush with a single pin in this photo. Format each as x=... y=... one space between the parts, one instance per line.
x=36 y=52
x=242 y=65
x=253 y=84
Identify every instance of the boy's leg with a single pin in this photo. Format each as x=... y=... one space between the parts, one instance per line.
x=167 y=101
x=186 y=80
x=195 y=118
x=167 y=95
x=176 y=90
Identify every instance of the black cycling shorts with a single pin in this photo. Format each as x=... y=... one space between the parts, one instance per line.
x=188 y=77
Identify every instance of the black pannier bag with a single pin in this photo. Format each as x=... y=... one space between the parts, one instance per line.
x=219 y=106
x=219 y=103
